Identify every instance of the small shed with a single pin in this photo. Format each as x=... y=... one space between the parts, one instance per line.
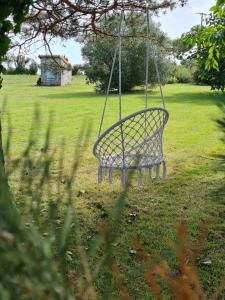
x=55 y=70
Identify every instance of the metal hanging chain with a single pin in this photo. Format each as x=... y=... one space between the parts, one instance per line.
x=117 y=47
x=150 y=45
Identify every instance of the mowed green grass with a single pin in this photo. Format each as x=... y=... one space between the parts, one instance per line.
x=194 y=190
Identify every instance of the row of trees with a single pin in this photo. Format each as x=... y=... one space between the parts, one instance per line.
x=201 y=50
x=19 y=65
x=170 y=72
x=16 y=65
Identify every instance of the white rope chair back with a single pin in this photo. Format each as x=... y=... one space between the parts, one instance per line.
x=140 y=145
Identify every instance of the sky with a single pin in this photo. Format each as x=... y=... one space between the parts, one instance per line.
x=174 y=23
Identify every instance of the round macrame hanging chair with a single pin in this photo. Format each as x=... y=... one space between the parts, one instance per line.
x=135 y=141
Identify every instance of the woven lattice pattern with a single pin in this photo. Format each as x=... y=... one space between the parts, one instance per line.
x=134 y=142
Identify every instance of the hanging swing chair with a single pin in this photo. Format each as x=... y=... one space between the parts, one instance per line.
x=134 y=142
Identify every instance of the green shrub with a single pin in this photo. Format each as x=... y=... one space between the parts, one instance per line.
x=184 y=74
x=200 y=77
x=75 y=70
x=10 y=71
x=172 y=80
x=39 y=81
x=32 y=69
x=78 y=70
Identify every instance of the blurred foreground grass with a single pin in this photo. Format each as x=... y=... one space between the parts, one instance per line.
x=194 y=190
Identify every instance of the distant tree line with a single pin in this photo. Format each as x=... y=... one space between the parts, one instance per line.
x=19 y=65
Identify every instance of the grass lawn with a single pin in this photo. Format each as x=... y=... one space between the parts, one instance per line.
x=194 y=190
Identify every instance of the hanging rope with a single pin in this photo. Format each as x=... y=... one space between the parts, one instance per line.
x=120 y=65
x=117 y=47
x=139 y=135
x=152 y=46
x=158 y=76
x=108 y=88
x=147 y=61
x=123 y=174
x=118 y=50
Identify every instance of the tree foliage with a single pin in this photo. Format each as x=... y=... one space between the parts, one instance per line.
x=208 y=46
x=66 y=19
x=99 y=54
x=12 y=15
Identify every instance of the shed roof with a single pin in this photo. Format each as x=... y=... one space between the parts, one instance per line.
x=63 y=58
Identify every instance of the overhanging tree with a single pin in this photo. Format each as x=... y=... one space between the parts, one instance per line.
x=208 y=46
x=45 y=19
x=66 y=19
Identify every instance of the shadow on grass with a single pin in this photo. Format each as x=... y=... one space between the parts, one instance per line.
x=73 y=95
x=195 y=98
x=92 y=94
x=199 y=98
